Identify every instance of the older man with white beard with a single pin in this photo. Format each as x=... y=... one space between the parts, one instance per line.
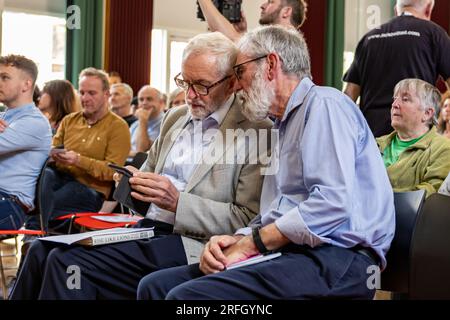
x=329 y=209
x=190 y=200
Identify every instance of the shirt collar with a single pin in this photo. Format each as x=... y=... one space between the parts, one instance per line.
x=298 y=96
x=22 y=109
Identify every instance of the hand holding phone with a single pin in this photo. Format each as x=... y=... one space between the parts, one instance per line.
x=122 y=170
x=57 y=149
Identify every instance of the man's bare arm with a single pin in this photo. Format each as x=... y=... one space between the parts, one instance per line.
x=353 y=91
x=217 y=22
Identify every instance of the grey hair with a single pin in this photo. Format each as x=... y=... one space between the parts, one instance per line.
x=217 y=45
x=126 y=87
x=429 y=95
x=289 y=44
x=417 y=4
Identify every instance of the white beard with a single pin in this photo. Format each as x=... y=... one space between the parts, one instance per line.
x=259 y=98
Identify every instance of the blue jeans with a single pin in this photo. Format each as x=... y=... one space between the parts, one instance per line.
x=12 y=216
x=64 y=195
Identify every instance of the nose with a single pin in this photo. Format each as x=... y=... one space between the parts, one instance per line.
x=190 y=93
x=395 y=102
x=263 y=6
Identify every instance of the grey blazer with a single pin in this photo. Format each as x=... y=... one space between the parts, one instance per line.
x=219 y=198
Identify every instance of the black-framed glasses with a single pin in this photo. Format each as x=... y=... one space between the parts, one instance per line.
x=199 y=89
x=239 y=71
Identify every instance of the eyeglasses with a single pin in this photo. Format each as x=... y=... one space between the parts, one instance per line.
x=197 y=87
x=239 y=71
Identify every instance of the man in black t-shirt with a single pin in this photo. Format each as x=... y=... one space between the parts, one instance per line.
x=120 y=99
x=408 y=46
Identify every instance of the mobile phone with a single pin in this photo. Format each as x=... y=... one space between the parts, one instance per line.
x=121 y=170
x=58 y=149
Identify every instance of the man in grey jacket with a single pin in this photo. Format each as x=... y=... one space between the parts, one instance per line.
x=200 y=177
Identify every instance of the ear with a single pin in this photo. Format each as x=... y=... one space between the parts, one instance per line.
x=428 y=10
x=429 y=114
x=273 y=66
x=27 y=85
x=286 y=13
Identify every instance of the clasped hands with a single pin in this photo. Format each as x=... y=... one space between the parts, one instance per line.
x=152 y=188
x=221 y=251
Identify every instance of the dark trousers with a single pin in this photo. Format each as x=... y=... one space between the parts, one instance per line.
x=300 y=273
x=12 y=216
x=105 y=272
x=64 y=195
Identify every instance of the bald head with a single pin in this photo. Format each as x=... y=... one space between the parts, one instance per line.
x=150 y=99
x=420 y=8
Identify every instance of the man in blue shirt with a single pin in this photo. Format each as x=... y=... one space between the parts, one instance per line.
x=150 y=114
x=329 y=208
x=25 y=139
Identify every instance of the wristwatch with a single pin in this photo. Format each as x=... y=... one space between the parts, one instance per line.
x=258 y=242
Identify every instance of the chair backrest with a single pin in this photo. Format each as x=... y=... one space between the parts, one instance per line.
x=430 y=256
x=42 y=202
x=408 y=206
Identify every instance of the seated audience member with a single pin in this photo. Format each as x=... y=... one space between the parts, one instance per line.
x=58 y=99
x=444 y=118
x=176 y=98
x=415 y=155
x=190 y=200
x=91 y=138
x=150 y=114
x=114 y=78
x=329 y=208
x=445 y=188
x=25 y=140
x=120 y=98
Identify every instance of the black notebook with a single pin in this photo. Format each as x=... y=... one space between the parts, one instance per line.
x=123 y=195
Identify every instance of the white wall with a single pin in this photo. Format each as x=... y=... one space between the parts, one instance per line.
x=182 y=15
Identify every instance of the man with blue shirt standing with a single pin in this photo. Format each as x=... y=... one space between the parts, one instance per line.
x=150 y=114
x=329 y=209
x=25 y=140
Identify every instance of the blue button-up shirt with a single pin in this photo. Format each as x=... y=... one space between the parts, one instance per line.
x=331 y=186
x=24 y=147
x=153 y=128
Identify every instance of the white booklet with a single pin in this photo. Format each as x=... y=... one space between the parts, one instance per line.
x=95 y=238
x=120 y=218
x=254 y=260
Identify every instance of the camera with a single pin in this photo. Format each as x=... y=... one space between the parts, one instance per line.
x=230 y=9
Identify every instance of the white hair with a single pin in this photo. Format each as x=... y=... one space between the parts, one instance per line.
x=289 y=44
x=429 y=95
x=125 y=86
x=214 y=44
x=417 y=4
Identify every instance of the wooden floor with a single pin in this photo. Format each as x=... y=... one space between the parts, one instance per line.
x=10 y=258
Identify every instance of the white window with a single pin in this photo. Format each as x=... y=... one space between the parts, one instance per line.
x=167 y=53
x=40 y=37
